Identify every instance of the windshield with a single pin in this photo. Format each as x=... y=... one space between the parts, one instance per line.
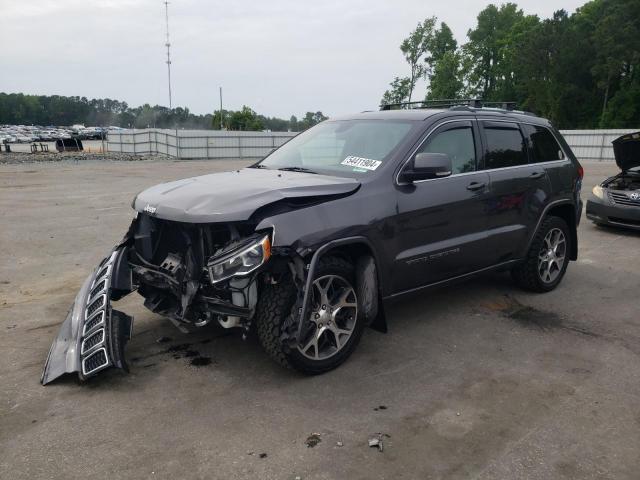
x=350 y=148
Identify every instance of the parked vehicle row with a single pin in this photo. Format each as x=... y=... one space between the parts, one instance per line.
x=38 y=133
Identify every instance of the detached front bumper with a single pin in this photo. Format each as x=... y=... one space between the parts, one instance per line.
x=605 y=212
x=93 y=336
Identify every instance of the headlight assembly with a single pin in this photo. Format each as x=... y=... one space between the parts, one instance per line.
x=242 y=261
x=598 y=192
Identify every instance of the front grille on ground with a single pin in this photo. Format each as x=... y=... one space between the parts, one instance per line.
x=622 y=199
x=94 y=361
x=93 y=347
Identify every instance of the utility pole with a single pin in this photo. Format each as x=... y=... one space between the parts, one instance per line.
x=168 y=45
x=221 y=108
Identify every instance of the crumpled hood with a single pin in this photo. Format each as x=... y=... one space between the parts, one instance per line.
x=627 y=151
x=234 y=196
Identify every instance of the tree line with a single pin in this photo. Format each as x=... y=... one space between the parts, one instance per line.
x=20 y=109
x=580 y=70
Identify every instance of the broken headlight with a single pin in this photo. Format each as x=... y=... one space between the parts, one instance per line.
x=241 y=261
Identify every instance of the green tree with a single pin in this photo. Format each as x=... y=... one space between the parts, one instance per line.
x=245 y=119
x=442 y=43
x=446 y=79
x=310 y=119
x=415 y=48
x=616 y=33
x=486 y=50
x=399 y=91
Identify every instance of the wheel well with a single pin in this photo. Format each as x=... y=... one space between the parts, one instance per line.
x=350 y=251
x=360 y=254
x=568 y=214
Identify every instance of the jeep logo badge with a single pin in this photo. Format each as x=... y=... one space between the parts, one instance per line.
x=634 y=196
x=149 y=209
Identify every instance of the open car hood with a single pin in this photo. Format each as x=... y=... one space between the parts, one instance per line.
x=627 y=151
x=234 y=196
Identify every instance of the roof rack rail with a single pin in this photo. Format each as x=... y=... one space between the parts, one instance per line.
x=448 y=103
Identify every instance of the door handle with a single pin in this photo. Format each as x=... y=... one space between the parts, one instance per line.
x=476 y=185
x=536 y=175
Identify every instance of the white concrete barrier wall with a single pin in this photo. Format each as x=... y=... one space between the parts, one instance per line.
x=212 y=144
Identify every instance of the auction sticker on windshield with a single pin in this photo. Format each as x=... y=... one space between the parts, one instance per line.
x=360 y=162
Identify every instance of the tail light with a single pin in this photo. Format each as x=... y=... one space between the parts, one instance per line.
x=580 y=171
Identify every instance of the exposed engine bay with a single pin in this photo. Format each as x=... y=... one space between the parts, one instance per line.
x=629 y=180
x=195 y=274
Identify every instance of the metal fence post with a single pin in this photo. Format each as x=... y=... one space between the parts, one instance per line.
x=604 y=135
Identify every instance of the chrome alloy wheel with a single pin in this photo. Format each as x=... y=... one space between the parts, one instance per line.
x=334 y=310
x=552 y=255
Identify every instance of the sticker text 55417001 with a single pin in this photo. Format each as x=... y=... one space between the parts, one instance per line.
x=360 y=162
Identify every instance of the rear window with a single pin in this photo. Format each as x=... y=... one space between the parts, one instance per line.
x=543 y=145
x=505 y=145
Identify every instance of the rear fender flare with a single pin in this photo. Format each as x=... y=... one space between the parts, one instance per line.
x=572 y=226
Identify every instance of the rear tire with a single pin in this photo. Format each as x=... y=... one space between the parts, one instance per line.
x=547 y=259
x=332 y=336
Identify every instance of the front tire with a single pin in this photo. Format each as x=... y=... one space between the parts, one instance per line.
x=335 y=327
x=547 y=259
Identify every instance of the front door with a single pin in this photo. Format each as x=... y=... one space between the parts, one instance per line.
x=441 y=222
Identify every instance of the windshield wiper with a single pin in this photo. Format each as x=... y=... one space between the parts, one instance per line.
x=297 y=169
x=257 y=165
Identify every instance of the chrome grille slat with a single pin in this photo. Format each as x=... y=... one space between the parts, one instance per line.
x=93 y=322
x=622 y=199
x=92 y=341
x=94 y=362
x=99 y=288
x=98 y=304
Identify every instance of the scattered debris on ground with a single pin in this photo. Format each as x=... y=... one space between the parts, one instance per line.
x=313 y=440
x=381 y=407
x=375 y=441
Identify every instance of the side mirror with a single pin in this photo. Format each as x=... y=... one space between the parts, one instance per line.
x=427 y=166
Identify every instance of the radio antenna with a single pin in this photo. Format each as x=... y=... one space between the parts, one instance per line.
x=168 y=45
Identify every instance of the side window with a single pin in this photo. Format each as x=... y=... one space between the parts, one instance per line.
x=456 y=141
x=505 y=145
x=542 y=144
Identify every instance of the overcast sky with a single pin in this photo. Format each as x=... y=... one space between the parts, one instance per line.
x=281 y=57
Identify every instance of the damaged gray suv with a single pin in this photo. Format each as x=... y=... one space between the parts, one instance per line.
x=307 y=246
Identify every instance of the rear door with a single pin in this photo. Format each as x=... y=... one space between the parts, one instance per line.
x=519 y=189
x=441 y=223
x=545 y=150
